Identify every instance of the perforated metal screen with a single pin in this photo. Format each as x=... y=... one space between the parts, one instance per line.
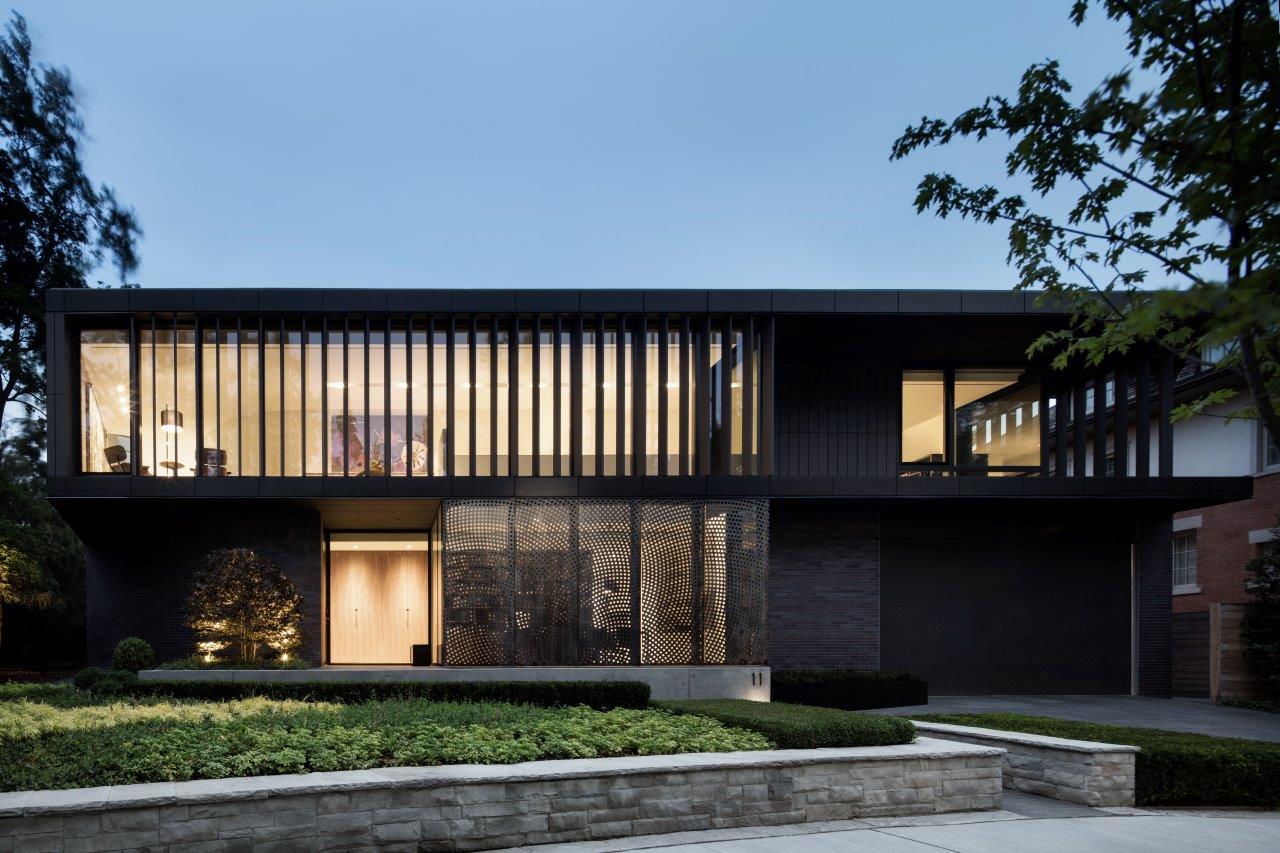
x=582 y=582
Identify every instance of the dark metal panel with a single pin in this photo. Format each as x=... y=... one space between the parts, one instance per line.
x=535 y=391
x=767 y=406
x=355 y=301
x=576 y=425
x=484 y=301
x=639 y=397
x=449 y=386
x=513 y=398
x=803 y=301
x=544 y=584
x=1142 y=425
x=748 y=395
x=675 y=301
x=1079 y=431
x=420 y=301
x=1100 y=423
x=991 y=302
x=546 y=487
x=929 y=301
x=1166 y=414
x=557 y=331
x=160 y=299
x=726 y=395
x=479 y=594
x=686 y=450
x=611 y=301
x=739 y=301
x=1122 y=421
x=599 y=391
x=230 y=300
x=288 y=301
x=1061 y=421
x=605 y=617
x=620 y=387
x=95 y=299
x=663 y=379
x=547 y=301
x=471 y=397
x=867 y=301
x=493 y=401
x=1044 y=426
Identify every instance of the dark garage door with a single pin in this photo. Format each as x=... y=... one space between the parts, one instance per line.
x=992 y=606
x=1191 y=654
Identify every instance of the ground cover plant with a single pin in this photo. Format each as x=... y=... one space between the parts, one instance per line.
x=1173 y=768
x=57 y=736
x=800 y=726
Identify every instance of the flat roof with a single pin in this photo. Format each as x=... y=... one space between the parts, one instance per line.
x=656 y=301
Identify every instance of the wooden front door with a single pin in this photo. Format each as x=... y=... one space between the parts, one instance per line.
x=377 y=605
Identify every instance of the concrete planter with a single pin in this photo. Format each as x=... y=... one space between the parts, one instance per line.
x=853 y=695
x=474 y=807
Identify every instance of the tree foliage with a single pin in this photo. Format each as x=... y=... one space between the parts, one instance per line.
x=1165 y=174
x=243 y=601
x=1261 y=630
x=56 y=227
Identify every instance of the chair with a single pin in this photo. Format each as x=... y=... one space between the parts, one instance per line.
x=117 y=459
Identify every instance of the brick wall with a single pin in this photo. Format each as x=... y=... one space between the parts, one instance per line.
x=1222 y=545
x=1154 y=543
x=138 y=576
x=824 y=587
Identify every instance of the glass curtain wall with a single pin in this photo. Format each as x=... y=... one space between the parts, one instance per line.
x=304 y=396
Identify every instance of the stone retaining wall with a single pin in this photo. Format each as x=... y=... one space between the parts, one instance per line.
x=473 y=807
x=1078 y=771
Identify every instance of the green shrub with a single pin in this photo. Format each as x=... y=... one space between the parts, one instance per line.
x=1173 y=768
x=601 y=695
x=839 y=676
x=179 y=743
x=87 y=677
x=800 y=726
x=133 y=655
x=199 y=662
x=117 y=682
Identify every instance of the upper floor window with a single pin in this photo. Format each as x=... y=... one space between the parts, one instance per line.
x=1184 y=560
x=105 y=446
x=993 y=425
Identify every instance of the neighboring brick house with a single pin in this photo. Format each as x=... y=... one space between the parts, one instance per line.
x=1211 y=547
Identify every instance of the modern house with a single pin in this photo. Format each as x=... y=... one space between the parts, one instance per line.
x=718 y=481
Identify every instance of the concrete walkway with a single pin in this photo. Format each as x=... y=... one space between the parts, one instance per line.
x=1025 y=823
x=1176 y=715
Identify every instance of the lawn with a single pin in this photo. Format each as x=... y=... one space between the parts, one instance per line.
x=56 y=736
x=1173 y=768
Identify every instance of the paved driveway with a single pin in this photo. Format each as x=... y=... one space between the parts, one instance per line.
x=1178 y=715
x=1026 y=823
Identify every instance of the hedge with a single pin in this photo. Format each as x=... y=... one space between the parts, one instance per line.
x=198 y=662
x=1173 y=768
x=800 y=726
x=839 y=676
x=601 y=695
x=118 y=744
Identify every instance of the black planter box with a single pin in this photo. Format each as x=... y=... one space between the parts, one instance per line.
x=852 y=695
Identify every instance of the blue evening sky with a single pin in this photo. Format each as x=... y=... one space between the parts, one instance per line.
x=665 y=143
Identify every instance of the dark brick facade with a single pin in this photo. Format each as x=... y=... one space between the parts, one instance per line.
x=139 y=571
x=1154 y=551
x=824 y=587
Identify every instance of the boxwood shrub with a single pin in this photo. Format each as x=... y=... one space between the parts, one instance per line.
x=198 y=662
x=601 y=695
x=1173 y=768
x=800 y=726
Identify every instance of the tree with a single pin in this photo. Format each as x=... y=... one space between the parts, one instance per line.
x=1260 y=632
x=55 y=227
x=241 y=600
x=1165 y=173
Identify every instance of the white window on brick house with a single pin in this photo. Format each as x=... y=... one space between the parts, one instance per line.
x=1184 y=562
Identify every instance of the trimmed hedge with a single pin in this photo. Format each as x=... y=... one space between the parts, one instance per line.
x=1173 y=768
x=601 y=695
x=800 y=726
x=839 y=676
x=198 y=662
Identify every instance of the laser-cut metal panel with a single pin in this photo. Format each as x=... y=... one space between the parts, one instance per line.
x=478 y=582
x=735 y=581
x=546 y=593
x=666 y=582
x=604 y=582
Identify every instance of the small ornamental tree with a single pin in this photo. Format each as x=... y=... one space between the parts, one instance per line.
x=1261 y=629
x=243 y=601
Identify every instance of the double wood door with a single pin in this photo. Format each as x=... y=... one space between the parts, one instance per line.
x=377 y=605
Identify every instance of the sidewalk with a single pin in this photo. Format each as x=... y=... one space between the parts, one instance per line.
x=1176 y=715
x=1025 y=823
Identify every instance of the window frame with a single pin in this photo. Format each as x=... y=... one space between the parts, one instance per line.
x=1189 y=574
x=948 y=467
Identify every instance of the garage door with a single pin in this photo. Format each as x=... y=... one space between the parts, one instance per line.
x=999 y=607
